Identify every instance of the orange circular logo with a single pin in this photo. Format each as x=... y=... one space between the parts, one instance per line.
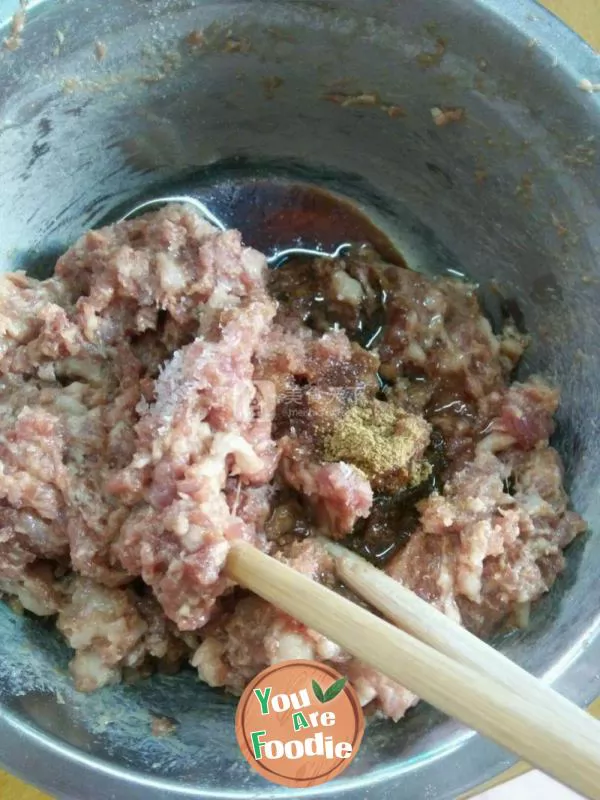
x=299 y=723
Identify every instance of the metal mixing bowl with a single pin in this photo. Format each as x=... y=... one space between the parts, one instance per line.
x=509 y=195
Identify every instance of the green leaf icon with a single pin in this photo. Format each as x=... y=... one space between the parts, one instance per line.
x=318 y=692
x=332 y=692
x=335 y=689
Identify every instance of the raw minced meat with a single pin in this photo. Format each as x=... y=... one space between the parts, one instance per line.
x=256 y=635
x=112 y=630
x=480 y=551
x=164 y=395
x=209 y=422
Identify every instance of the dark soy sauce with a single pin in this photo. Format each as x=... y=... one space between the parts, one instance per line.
x=282 y=218
x=276 y=216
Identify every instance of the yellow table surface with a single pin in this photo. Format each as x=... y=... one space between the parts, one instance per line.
x=584 y=17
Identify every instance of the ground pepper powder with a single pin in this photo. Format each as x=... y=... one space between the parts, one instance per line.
x=383 y=441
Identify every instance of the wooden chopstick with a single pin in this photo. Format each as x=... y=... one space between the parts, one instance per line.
x=552 y=738
x=420 y=619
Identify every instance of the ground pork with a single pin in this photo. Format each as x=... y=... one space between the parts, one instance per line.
x=209 y=422
x=316 y=379
x=37 y=589
x=164 y=395
x=171 y=261
x=104 y=627
x=481 y=552
x=256 y=635
x=115 y=632
x=81 y=356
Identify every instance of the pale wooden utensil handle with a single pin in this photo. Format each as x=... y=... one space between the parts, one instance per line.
x=550 y=738
x=422 y=620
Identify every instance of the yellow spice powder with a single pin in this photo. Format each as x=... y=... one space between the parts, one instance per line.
x=384 y=442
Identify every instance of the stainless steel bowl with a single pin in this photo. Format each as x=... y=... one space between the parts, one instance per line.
x=510 y=195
